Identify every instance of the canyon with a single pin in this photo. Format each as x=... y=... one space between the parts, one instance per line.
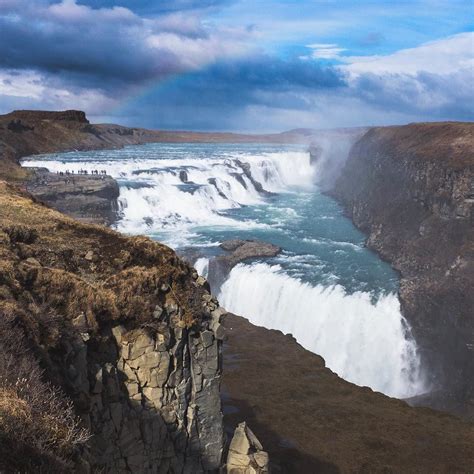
x=411 y=190
x=134 y=338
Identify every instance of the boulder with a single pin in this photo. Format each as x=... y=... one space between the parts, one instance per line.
x=239 y=251
x=183 y=176
x=246 y=455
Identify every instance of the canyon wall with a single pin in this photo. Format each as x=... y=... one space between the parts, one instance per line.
x=309 y=420
x=411 y=189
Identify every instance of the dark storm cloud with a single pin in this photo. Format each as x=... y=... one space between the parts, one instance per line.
x=109 y=47
x=226 y=89
x=248 y=81
x=113 y=48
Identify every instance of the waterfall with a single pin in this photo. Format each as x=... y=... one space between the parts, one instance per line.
x=160 y=194
x=202 y=266
x=365 y=342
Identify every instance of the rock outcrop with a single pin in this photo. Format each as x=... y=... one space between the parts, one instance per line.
x=411 y=189
x=246 y=454
x=155 y=409
x=88 y=198
x=40 y=115
x=240 y=251
x=127 y=330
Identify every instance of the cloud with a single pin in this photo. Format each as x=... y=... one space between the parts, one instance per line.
x=32 y=90
x=325 y=50
x=175 y=65
x=267 y=93
x=220 y=96
x=110 y=47
x=434 y=96
x=435 y=79
x=443 y=56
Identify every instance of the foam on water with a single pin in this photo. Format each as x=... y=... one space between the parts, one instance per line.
x=154 y=198
x=364 y=342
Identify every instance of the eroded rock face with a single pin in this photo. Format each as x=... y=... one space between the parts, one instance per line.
x=126 y=329
x=246 y=454
x=154 y=405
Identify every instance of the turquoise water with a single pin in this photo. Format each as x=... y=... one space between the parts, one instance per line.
x=336 y=296
x=320 y=245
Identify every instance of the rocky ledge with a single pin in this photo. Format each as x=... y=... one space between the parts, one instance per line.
x=237 y=251
x=411 y=190
x=88 y=198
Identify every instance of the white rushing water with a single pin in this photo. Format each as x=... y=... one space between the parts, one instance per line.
x=363 y=342
x=336 y=298
x=154 y=197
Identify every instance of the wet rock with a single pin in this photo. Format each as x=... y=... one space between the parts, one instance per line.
x=247 y=172
x=240 y=251
x=183 y=176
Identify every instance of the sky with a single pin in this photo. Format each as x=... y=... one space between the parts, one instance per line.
x=240 y=65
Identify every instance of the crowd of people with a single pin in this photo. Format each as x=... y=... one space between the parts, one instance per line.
x=42 y=179
x=82 y=172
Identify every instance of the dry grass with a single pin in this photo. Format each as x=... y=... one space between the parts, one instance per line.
x=38 y=428
x=120 y=282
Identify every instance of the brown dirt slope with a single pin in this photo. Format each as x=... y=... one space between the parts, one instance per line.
x=312 y=421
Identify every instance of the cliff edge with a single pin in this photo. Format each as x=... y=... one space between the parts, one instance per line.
x=127 y=330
